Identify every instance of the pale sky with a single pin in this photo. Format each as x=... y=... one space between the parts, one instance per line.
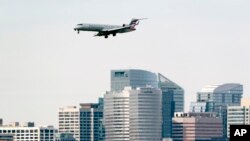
x=45 y=64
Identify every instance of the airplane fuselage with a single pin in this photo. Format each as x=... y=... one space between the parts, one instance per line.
x=94 y=27
x=100 y=27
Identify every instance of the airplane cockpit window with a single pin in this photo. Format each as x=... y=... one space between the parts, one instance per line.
x=79 y=24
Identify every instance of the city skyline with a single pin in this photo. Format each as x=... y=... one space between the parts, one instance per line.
x=46 y=65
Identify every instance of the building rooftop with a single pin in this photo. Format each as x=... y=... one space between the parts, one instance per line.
x=20 y=124
x=220 y=87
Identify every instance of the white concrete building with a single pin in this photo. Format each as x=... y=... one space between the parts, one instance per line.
x=116 y=116
x=29 y=133
x=69 y=121
x=145 y=114
x=238 y=115
x=133 y=114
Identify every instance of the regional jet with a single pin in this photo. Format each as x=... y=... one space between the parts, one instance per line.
x=106 y=30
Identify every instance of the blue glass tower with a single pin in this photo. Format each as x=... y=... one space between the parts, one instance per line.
x=91 y=121
x=172 y=101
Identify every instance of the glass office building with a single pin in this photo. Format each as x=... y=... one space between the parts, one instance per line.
x=201 y=107
x=172 y=94
x=228 y=94
x=172 y=101
x=221 y=96
x=132 y=78
x=91 y=121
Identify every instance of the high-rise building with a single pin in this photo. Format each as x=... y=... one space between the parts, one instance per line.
x=132 y=78
x=172 y=101
x=172 y=94
x=145 y=117
x=228 y=94
x=91 y=121
x=29 y=133
x=1 y=122
x=197 y=126
x=133 y=114
x=69 y=121
x=116 y=116
x=221 y=96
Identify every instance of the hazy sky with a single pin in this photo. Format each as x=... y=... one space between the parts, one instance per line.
x=45 y=64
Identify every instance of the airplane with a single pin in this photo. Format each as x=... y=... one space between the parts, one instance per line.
x=106 y=30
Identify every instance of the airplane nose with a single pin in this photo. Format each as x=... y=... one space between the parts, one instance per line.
x=75 y=28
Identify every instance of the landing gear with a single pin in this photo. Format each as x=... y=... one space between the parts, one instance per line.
x=106 y=36
x=114 y=34
x=78 y=31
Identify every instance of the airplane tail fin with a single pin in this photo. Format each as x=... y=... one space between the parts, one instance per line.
x=136 y=21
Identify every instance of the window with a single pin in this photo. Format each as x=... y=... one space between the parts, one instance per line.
x=121 y=74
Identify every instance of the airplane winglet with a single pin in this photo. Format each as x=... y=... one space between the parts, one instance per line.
x=143 y=19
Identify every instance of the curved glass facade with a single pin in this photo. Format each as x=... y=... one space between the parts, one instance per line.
x=228 y=94
x=132 y=78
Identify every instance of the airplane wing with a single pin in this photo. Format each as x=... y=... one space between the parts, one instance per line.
x=115 y=30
